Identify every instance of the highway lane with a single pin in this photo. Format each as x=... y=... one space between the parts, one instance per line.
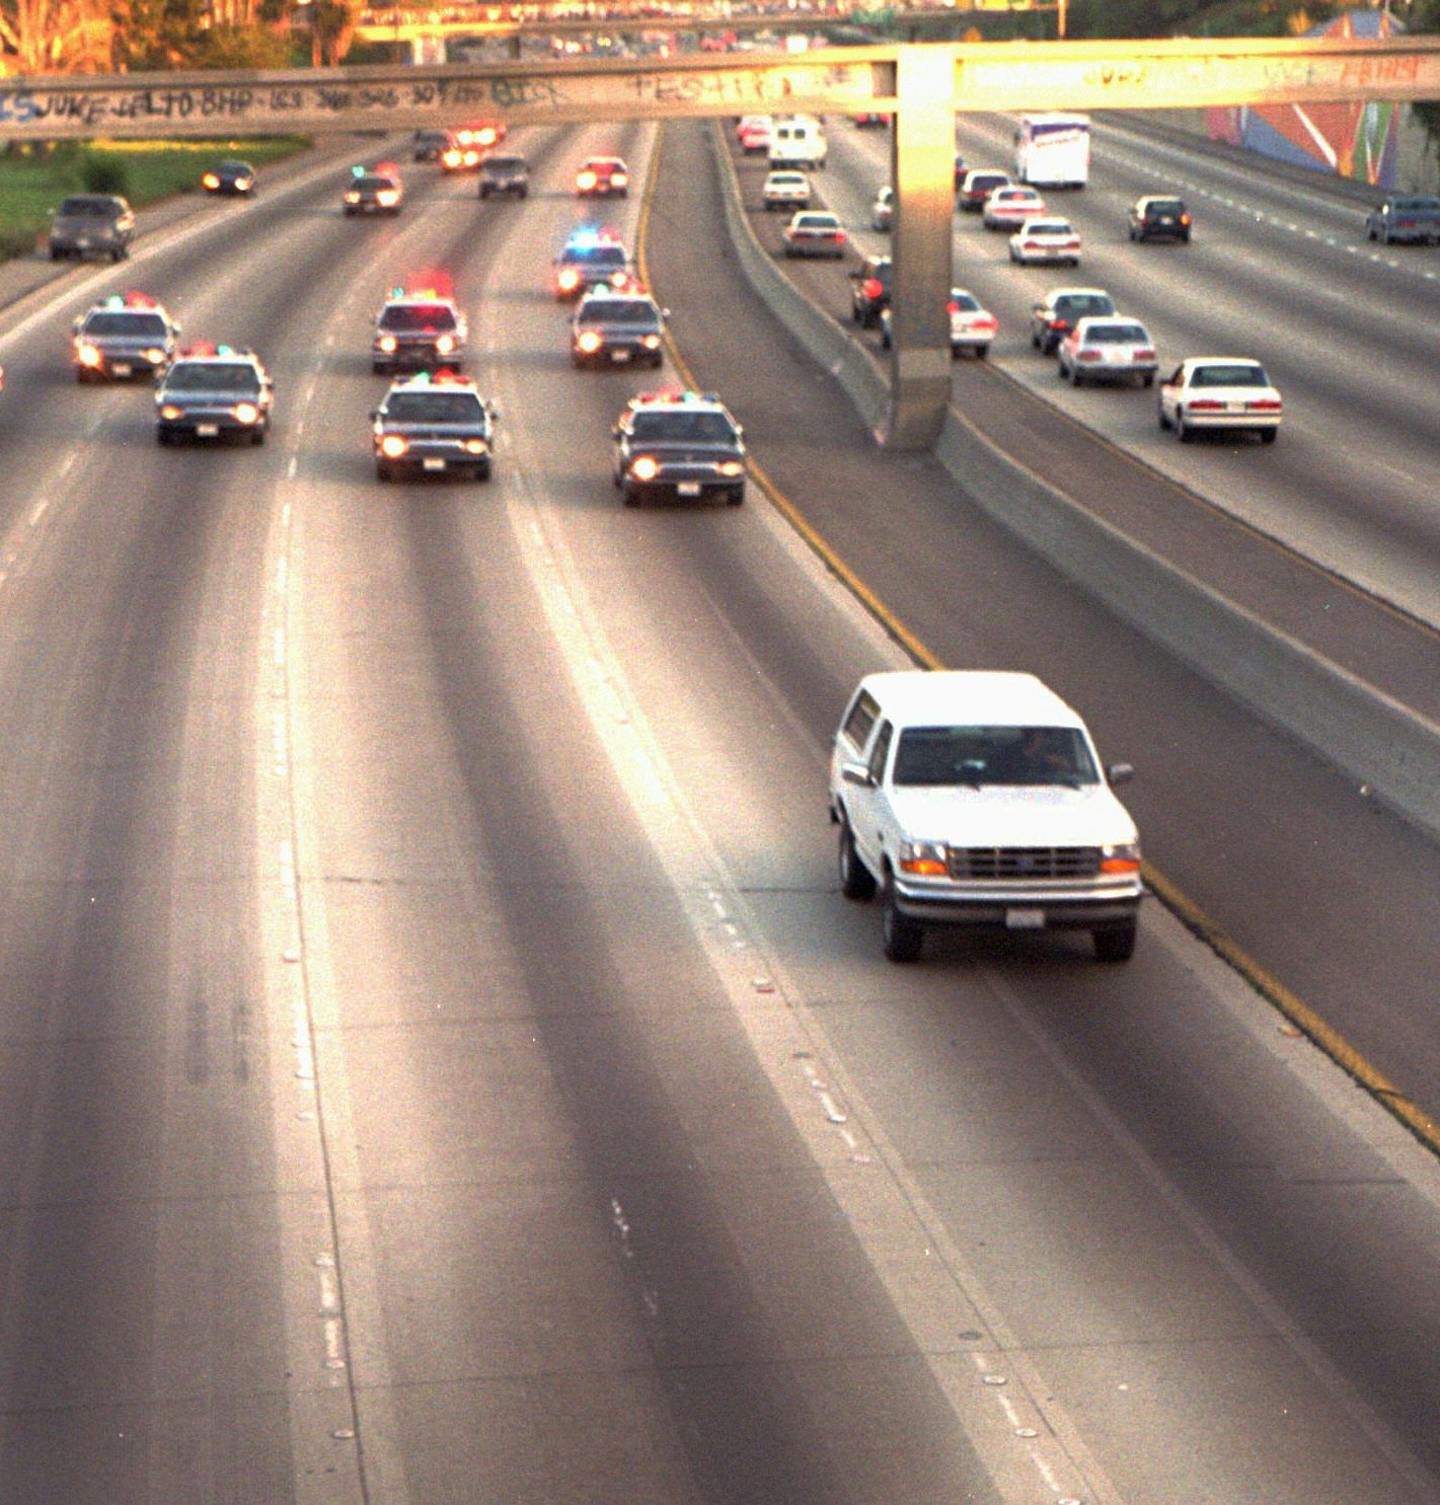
x=628 y=1165
x=1276 y=270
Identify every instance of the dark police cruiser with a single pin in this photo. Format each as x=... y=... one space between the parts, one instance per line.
x=591 y=258
x=680 y=444
x=436 y=423
x=613 y=328
x=377 y=192
x=418 y=329
x=124 y=336
x=214 y=392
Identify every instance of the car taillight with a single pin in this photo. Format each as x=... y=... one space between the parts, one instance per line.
x=1142 y=355
x=645 y=468
x=1264 y=405
x=1059 y=325
x=1089 y=355
x=392 y=446
x=246 y=412
x=590 y=342
x=1207 y=405
x=1184 y=219
x=872 y=287
x=985 y=321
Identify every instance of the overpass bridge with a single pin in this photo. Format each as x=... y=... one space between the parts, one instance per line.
x=921 y=85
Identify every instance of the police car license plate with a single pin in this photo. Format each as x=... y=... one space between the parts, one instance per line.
x=620 y=355
x=207 y=430
x=122 y=368
x=688 y=488
x=432 y=464
x=1025 y=919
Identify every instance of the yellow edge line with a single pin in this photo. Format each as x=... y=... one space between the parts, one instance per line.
x=1291 y=1006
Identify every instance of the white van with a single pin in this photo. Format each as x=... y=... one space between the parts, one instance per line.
x=798 y=141
x=1053 y=150
x=976 y=798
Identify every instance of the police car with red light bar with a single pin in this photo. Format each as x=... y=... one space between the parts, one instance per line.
x=433 y=424
x=591 y=258
x=214 y=392
x=416 y=329
x=126 y=335
x=679 y=444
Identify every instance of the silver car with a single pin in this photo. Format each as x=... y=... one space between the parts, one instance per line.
x=1108 y=349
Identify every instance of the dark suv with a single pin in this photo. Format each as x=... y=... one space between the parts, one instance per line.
x=1057 y=313
x=92 y=224
x=871 y=293
x=1155 y=218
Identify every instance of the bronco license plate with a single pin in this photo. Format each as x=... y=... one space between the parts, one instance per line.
x=1025 y=919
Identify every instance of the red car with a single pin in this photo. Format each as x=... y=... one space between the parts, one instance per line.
x=603 y=177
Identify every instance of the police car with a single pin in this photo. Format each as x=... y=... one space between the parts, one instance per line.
x=436 y=423
x=591 y=258
x=123 y=336
x=378 y=192
x=214 y=392
x=680 y=444
x=612 y=326
x=419 y=328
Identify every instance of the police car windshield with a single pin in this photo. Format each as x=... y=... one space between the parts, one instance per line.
x=413 y=318
x=974 y=755
x=434 y=407
x=374 y=185
x=619 y=311
x=701 y=427
x=136 y=326
x=213 y=376
x=595 y=256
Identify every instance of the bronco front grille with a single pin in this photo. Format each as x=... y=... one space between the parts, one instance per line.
x=1023 y=862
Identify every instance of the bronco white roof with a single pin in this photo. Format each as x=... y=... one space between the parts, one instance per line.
x=967 y=697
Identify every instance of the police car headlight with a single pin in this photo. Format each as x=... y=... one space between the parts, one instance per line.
x=651 y=342
x=246 y=412
x=89 y=355
x=646 y=468
x=155 y=356
x=476 y=446
x=387 y=198
x=925 y=859
x=392 y=446
x=170 y=412
x=352 y=197
x=387 y=343
x=569 y=279
x=590 y=342
x=210 y=180
x=445 y=344
x=731 y=468
x=243 y=184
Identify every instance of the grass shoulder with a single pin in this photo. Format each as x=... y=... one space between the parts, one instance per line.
x=34 y=179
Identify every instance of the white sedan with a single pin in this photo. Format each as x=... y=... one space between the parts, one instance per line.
x=882 y=211
x=786 y=189
x=1041 y=241
x=972 y=327
x=814 y=232
x=1010 y=206
x=1107 y=349
x=1220 y=392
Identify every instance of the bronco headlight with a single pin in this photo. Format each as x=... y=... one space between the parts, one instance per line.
x=651 y=342
x=924 y=859
x=475 y=446
x=1124 y=857
x=731 y=468
x=170 y=412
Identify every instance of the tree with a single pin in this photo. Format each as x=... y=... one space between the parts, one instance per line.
x=57 y=36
